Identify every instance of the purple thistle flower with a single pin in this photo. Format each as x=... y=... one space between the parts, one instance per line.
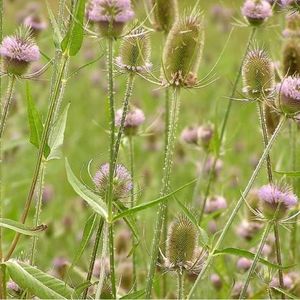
x=289 y=95
x=122 y=183
x=216 y=281
x=243 y=264
x=35 y=23
x=256 y=11
x=205 y=134
x=215 y=203
x=190 y=135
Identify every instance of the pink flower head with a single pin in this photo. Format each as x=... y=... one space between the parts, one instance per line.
x=290 y=2
x=34 y=22
x=244 y=264
x=119 y=11
x=190 y=135
x=215 y=203
x=122 y=180
x=134 y=118
x=256 y=11
x=19 y=49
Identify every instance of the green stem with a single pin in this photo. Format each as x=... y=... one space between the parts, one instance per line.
x=237 y=207
x=112 y=259
x=180 y=285
x=174 y=113
x=132 y=202
x=93 y=256
x=243 y=294
x=38 y=210
x=44 y=140
x=224 y=125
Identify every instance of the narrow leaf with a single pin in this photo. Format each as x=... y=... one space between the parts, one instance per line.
x=155 y=202
x=21 y=228
x=38 y=283
x=134 y=295
x=56 y=137
x=249 y=255
x=72 y=42
x=92 y=199
x=291 y=296
x=290 y=174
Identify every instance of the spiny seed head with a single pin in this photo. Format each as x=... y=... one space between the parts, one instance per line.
x=135 y=117
x=182 y=241
x=276 y=200
x=272 y=118
x=165 y=13
x=258 y=74
x=135 y=52
x=18 y=52
x=183 y=51
x=292 y=28
x=122 y=181
x=110 y=15
x=256 y=11
x=291 y=57
x=288 y=100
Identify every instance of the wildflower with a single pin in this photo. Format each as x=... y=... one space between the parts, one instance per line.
x=190 y=135
x=244 y=264
x=237 y=289
x=205 y=134
x=214 y=204
x=122 y=182
x=35 y=23
x=216 y=281
x=110 y=15
x=134 y=119
x=289 y=95
x=18 y=51
x=248 y=230
x=276 y=200
x=256 y=11
x=209 y=165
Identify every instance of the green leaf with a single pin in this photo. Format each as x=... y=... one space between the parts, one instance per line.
x=203 y=235
x=249 y=255
x=92 y=199
x=291 y=296
x=35 y=122
x=56 y=137
x=86 y=236
x=290 y=174
x=72 y=42
x=21 y=228
x=38 y=283
x=155 y=202
x=134 y=295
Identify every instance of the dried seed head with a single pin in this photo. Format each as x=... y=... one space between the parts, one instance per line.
x=183 y=51
x=135 y=52
x=135 y=117
x=288 y=100
x=292 y=28
x=18 y=52
x=272 y=118
x=122 y=182
x=256 y=11
x=182 y=241
x=276 y=200
x=291 y=57
x=110 y=15
x=165 y=13
x=258 y=74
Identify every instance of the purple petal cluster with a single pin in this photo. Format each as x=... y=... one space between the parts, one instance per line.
x=110 y=10
x=273 y=194
x=35 y=23
x=257 y=10
x=290 y=87
x=190 y=135
x=134 y=118
x=215 y=203
x=16 y=48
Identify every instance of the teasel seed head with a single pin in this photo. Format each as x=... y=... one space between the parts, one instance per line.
x=256 y=11
x=183 y=51
x=291 y=57
x=258 y=74
x=288 y=100
x=135 y=52
x=18 y=51
x=182 y=242
x=272 y=118
x=292 y=29
x=122 y=181
x=165 y=13
x=276 y=200
x=110 y=15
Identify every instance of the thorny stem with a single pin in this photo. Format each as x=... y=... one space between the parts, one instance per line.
x=44 y=140
x=93 y=256
x=132 y=201
x=237 y=207
x=38 y=209
x=266 y=232
x=165 y=183
x=112 y=259
x=180 y=285
x=224 y=125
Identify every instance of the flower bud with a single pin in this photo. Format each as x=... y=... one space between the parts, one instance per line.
x=214 y=204
x=182 y=241
x=258 y=74
x=256 y=11
x=189 y=135
x=18 y=52
x=165 y=13
x=291 y=57
x=110 y=15
x=243 y=264
x=183 y=51
x=135 y=52
x=205 y=134
x=216 y=281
